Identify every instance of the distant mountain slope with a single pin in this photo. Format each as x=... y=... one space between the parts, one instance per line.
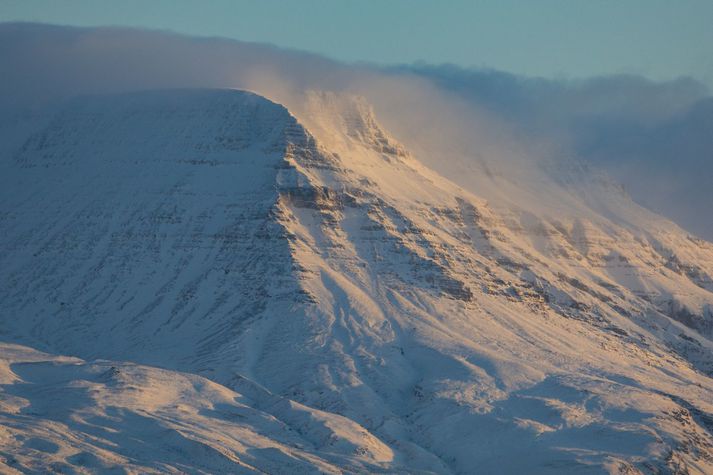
x=539 y=321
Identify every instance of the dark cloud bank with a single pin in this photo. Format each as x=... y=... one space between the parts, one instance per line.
x=654 y=137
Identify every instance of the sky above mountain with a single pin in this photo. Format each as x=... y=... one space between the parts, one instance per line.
x=551 y=38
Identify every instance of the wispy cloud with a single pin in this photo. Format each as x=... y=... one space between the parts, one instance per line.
x=657 y=138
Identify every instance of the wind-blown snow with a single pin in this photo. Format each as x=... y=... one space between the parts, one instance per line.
x=324 y=281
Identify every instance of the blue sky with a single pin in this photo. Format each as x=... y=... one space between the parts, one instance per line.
x=551 y=38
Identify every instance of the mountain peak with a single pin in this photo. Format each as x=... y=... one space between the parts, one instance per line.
x=181 y=124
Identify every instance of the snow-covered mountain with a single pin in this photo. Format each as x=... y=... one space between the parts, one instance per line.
x=301 y=294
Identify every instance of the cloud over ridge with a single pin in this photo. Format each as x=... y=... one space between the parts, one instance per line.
x=655 y=137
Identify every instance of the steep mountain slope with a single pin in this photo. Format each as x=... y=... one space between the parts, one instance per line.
x=535 y=321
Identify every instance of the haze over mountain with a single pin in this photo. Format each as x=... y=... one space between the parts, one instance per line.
x=211 y=280
x=653 y=137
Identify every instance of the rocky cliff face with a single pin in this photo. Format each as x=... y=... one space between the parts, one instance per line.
x=209 y=232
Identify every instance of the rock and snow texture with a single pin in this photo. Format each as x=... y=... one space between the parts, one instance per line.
x=318 y=300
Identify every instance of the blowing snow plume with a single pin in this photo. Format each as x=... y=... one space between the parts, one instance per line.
x=49 y=63
x=652 y=137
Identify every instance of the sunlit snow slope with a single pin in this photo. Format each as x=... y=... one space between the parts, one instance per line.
x=320 y=300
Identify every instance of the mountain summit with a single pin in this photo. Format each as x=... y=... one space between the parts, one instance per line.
x=244 y=294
